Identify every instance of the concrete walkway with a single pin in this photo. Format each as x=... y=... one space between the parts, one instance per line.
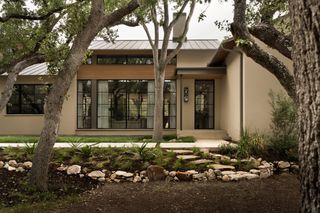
x=203 y=144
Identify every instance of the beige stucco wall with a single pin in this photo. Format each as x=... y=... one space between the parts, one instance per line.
x=194 y=58
x=230 y=97
x=258 y=83
x=32 y=124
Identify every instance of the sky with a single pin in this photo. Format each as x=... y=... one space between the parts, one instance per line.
x=206 y=29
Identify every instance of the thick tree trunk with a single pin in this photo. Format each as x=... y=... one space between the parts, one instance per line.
x=159 y=74
x=13 y=75
x=96 y=22
x=305 y=20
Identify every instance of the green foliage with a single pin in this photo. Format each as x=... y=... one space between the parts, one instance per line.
x=250 y=145
x=228 y=150
x=187 y=139
x=85 y=151
x=30 y=148
x=169 y=137
x=283 y=142
x=196 y=150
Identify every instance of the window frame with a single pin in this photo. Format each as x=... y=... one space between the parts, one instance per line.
x=20 y=104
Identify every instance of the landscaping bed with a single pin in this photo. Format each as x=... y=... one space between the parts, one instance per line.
x=97 y=139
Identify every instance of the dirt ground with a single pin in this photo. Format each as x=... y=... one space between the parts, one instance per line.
x=279 y=193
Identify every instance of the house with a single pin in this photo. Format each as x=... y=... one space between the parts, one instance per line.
x=211 y=90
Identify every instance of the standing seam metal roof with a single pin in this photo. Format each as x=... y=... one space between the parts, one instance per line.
x=208 y=44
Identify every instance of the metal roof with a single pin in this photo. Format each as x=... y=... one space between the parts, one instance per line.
x=199 y=44
x=208 y=44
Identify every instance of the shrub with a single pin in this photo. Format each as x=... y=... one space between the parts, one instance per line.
x=227 y=149
x=250 y=145
x=283 y=142
x=169 y=137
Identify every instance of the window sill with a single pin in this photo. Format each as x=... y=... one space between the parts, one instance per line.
x=24 y=115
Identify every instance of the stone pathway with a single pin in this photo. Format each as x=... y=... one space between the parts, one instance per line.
x=202 y=144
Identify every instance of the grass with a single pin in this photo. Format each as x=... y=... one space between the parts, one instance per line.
x=89 y=139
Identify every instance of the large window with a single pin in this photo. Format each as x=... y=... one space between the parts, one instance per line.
x=128 y=104
x=204 y=104
x=129 y=59
x=84 y=104
x=27 y=99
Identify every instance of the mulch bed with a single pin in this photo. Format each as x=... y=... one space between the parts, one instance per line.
x=279 y=193
x=14 y=187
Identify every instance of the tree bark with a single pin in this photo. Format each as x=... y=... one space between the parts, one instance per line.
x=305 y=23
x=158 y=105
x=96 y=22
x=13 y=75
x=251 y=49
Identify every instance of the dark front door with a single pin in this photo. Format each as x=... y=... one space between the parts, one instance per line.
x=204 y=104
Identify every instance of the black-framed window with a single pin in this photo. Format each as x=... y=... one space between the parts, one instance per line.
x=27 y=99
x=128 y=59
x=204 y=104
x=84 y=104
x=125 y=104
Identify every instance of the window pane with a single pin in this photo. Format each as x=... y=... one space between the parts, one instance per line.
x=204 y=104
x=84 y=104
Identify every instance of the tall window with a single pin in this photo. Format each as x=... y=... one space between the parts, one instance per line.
x=204 y=104
x=84 y=104
x=27 y=99
x=128 y=59
x=127 y=104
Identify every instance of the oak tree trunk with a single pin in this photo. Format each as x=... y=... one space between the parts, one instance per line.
x=159 y=74
x=96 y=22
x=305 y=22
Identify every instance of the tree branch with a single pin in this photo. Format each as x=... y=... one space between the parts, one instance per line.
x=12 y=77
x=273 y=38
x=34 y=17
x=246 y=43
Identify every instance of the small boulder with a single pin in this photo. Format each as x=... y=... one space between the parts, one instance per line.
x=184 y=176
x=283 y=165
x=227 y=173
x=20 y=169
x=155 y=173
x=255 y=171
x=113 y=176
x=101 y=179
x=226 y=178
x=221 y=167
x=172 y=173
x=1 y=164
x=124 y=174
x=96 y=174
x=27 y=165
x=13 y=163
x=137 y=179
x=62 y=168
x=73 y=170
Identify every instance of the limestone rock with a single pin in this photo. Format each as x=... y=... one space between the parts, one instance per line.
x=27 y=165
x=226 y=178
x=62 y=168
x=73 y=170
x=1 y=164
x=283 y=165
x=172 y=173
x=96 y=174
x=255 y=171
x=155 y=173
x=113 y=176
x=188 y=157
x=227 y=173
x=221 y=167
x=124 y=174
x=137 y=179
x=201 y=161
x=20 y=169
x=184 y=176
x=13 y=163
x=182 y=151
x=101 y=179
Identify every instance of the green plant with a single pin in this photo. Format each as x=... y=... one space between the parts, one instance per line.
x=29 y=148
x=169 y=137
x=178 y=165
x=196 y=150
x=227 y=149
x=86 y=151
x=250 y=145
x=143 y=152
x=283 y=142
x=187 y=139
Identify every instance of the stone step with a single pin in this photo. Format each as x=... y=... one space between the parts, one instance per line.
x=188 y=157
x=182 y=151
x=201 y=161
x=221 y=167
